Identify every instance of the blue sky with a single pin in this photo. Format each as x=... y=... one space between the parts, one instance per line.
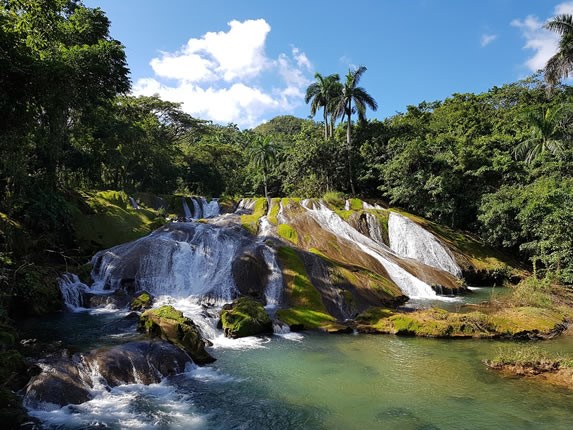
x=248 y=61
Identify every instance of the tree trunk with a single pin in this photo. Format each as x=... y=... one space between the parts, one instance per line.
x=325 y=124
x=265 y=183
x=349 y=148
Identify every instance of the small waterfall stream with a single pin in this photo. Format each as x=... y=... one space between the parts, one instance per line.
x=408 y=283
x=408 y=239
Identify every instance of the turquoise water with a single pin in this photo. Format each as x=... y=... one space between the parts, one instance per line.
x=328 y=382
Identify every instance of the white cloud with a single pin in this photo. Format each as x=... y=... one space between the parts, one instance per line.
x=223 y=76
x=486 y=39
x=543 y=42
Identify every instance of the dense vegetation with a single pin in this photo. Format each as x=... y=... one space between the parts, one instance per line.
x=497 y=164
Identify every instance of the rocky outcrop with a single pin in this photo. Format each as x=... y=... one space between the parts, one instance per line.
x=250 y=272
x=169 y=324
x=245 y=317
x=141 y=302
x=69 y=380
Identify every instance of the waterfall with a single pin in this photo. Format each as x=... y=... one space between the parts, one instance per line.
x=186 y=210
x=133 y=203
x=274 y=287
x=347 y=205
x=210 y=209
x=408 y=239
x=367 y=206
x=197 y=209
x=374 y=230
x=72 y=290
x=408 y=283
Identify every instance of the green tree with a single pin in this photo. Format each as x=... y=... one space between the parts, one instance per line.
x=353 y=99
x=560 y=65
x=322 y=94
x=549 y=132
x=263 y=152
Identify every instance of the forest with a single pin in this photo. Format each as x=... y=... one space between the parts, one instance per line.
x=496 y=164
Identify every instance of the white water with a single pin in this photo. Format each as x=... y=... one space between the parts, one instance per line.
x=408 y=239
x=186 y=210
x=374 y=230
x=72 y=290
x=210 y=209
x=408 y=283
x=274 y=287
x=133 y=203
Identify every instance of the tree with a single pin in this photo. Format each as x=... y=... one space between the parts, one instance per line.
x=352 y=93
x=322 y=94
x=263 y=151
x=548 y=132
x=561 y=64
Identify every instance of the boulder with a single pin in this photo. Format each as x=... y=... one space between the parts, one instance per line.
x=142 y=301
x=67 y=380
x=169 y=324
x=245 y=317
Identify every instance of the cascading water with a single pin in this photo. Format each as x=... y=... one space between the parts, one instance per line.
x=408 y=239
x=133 y=203
x=197 y=209
x=408 y=283
x=210 y=209
x=275 y=283
x=374 y=229
x=72 y=290
x=186 y=210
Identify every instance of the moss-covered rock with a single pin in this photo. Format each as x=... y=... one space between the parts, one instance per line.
x=251 y=221
x=287 y=232
x=245 y=317
x=169 y=324
x=510 y=323
x=106 y=218
x=300 y=318
x=141 y=302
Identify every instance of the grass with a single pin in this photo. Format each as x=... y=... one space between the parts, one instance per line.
x=334 y=199
x=528 y=356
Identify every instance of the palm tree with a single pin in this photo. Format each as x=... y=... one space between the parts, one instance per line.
x=263 y=152
x=320 y=94
x=561 y=64
x=548 y=133
x=352 y=93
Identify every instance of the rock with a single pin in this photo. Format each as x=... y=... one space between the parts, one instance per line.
x=250 y=273
x=142 y=301
x=245 y=317
x=169 y=324
x=59 y=383
x=118 y=299
x=137 y=362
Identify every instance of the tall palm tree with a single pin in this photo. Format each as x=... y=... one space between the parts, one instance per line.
x=353 y=94
x=561 y=64
x=320 y=94
x=548 y=133
x=263 y=151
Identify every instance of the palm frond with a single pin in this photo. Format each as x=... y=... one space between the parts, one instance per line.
x=561 y=24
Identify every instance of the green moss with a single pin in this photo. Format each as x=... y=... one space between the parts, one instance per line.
x=251 y=222
x=373 y=315
x=169 y=324
x=143 y=301
x=355 y=204
x=105 y=219
x=287 y=232
x=344 y=214
x=245 y=317
x=299 y=289
x=523 y=320
x=273 y=213
x=305 y=318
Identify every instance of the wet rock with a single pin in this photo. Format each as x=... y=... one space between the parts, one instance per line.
x=245 y=317
x=169 y=324
x=69 y=380
x=118 y=299
x=59 y=383
x=250 y=272
x=137 y=362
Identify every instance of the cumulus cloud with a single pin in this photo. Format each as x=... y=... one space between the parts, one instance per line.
x=486 y=39
x=542 y=42
x=224 y=76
